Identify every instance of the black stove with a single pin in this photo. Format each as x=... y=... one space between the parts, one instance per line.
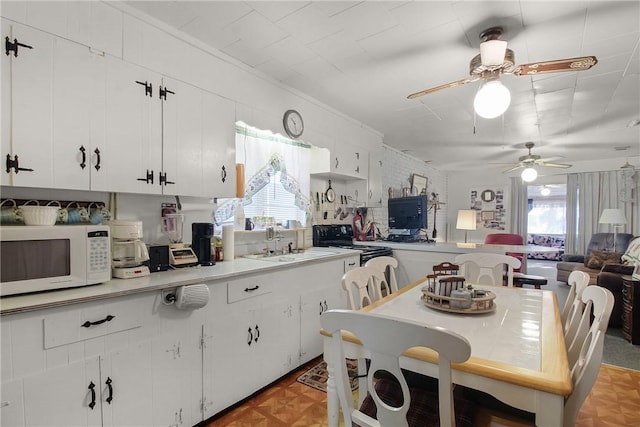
x=341 y=236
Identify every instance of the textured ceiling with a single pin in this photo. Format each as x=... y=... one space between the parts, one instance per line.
x=364 y=58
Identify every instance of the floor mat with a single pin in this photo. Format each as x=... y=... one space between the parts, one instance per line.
x=317 y=376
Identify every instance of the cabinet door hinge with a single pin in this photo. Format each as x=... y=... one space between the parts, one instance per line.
x=164 y=91
x=148 y=88
x=163 y=179
x=13 y=164
x=13 y=46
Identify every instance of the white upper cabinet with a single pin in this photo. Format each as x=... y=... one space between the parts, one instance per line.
x=375 y=191
x=133 y=129
x=198 y=142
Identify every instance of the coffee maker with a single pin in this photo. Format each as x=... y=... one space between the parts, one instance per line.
x=128 y=250
x=201 y=234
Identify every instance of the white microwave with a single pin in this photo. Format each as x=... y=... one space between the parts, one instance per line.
x=44 y=258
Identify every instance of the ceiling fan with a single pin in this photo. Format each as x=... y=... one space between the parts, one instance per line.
x=494 y=60
x=531 y=160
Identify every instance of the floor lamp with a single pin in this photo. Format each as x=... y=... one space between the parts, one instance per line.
x=466 y=221
x=616 y=218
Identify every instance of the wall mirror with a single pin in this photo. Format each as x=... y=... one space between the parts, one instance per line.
x=418 y=184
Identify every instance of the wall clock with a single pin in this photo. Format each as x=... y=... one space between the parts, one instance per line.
x=293 y=124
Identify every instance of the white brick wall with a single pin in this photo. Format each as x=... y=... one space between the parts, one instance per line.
x=397 y=170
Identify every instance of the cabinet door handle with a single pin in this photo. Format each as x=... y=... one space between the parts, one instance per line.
x=250 y=336
x=92 y=388
x=326 y=307
x=98 y=159
x=108 y=383
x=257 y=334
x=351 y=264
x=337 y=163
x=320 y=311
x=88 y=324
x=223 y=174
x=8 y=46
x=255 y=288
x=83 y=150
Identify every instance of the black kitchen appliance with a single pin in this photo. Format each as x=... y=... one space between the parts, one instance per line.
x=341 y=236
x=158 y=258
x=201 y=234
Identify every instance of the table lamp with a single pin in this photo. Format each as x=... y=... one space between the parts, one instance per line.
x=614 y=217
x=466 y=221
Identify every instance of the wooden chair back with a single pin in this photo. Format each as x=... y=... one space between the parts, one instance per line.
x=360 y=285
x=482 y=268
x=384 y=339
x=447 y=268
x=387 y=265
x=576 y=307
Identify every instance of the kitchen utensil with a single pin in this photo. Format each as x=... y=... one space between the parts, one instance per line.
x=331 y=195
x=248 y=224
x=172 y=226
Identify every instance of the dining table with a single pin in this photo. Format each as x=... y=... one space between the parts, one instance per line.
x=518 y=351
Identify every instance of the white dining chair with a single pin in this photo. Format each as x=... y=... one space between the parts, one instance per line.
x=484 y=268
x=584 y=370
x=574 y=314
x=387 y=265
x=362 y=285
x=384 y=339
x=578 y=280
x=598 y=306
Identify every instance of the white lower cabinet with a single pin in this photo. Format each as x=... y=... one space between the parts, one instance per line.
x=152 y=364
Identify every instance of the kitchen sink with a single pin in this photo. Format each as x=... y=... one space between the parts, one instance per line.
x=290 y=257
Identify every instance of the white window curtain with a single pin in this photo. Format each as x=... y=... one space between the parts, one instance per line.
x=518 y=207
x=277 y=176
x=588 y=194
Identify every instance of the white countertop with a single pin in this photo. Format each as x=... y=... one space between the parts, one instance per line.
x=460 y=248
x=160 y=280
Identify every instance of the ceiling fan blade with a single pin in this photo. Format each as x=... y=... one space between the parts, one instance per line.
x=554 y=165
x=512 y=169
x=556 y=66
x=444 y=86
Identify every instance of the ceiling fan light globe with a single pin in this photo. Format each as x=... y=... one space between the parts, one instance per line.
x=529 y=174
x=545 y=191
x=492 y=100
x=492 y=52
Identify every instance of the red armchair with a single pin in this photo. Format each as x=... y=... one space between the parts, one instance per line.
x=507 y=239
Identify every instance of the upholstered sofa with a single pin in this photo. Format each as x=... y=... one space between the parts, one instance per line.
x=598 y=242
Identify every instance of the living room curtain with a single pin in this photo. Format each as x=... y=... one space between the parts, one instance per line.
x=588 y=194
x=518 y=207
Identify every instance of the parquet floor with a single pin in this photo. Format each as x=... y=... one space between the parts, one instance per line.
x=613 y=402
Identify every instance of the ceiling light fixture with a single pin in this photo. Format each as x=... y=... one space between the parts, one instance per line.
x=529 y=174
x=492 y=100
x=545 y=191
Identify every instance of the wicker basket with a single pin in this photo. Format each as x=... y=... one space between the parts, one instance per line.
x=40 y=215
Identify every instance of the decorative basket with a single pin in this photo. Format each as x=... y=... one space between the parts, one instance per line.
x=39 y=215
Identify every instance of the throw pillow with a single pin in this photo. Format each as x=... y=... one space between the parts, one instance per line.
x=632 y=254
x=599 y=258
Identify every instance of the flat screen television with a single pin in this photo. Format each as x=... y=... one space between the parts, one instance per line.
x=408 y=213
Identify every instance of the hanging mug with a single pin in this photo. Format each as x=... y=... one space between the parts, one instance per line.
x=10 y=214
x=99 y=214
x=75 y=215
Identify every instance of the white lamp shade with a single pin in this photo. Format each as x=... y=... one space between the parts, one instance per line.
x=492 y=52
x=529 y=174
x=492 y=99
x=466 y=220
x=612 y=216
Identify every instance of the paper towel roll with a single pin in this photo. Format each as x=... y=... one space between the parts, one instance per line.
x=228 y=249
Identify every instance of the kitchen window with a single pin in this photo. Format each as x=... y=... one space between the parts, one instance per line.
x=277 y=177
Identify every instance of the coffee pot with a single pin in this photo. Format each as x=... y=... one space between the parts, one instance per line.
x=128 y=250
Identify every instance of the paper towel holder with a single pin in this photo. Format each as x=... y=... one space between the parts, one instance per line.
x=188 y=297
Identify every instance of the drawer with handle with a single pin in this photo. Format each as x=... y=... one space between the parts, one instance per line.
x=69 y=326
x=249 y=287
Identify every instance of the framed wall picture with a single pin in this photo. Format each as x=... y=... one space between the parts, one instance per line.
x=487 y=215
x=418 y=184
